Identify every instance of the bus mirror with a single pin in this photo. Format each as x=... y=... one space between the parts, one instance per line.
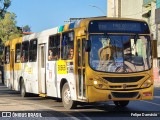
x=88 y=46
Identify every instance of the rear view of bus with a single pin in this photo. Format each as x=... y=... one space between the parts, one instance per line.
x=119 y=61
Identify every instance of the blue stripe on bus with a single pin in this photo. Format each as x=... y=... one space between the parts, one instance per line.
x=71 y=26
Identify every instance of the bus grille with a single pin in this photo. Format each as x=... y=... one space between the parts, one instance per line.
x=121 y=86
x=124 y=95
x=123 y=79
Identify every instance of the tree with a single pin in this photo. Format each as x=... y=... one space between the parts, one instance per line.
x=8 y=28
x=26 y=28
x=4 y=4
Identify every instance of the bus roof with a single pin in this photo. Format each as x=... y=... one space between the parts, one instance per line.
x=85 y=21
x=78 y=23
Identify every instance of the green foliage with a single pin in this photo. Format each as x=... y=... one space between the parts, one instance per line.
x=26 y=28
x=4 y=4
x=8 y=28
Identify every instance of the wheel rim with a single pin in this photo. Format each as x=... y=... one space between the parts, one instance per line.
x=67 y=96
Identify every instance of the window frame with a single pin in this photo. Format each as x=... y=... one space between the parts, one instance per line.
x=31 y=51
x=26 y=56
x=56 y=46
x=66 y=46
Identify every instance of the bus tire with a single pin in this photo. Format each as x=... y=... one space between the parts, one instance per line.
x=68 y=103
x=23 y=89
x=121 y=103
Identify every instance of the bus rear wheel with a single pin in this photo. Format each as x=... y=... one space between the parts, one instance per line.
x=23 y=89
x=66 y=97
x=121 y=103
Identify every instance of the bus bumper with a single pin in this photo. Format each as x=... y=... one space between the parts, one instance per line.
x=99 y=95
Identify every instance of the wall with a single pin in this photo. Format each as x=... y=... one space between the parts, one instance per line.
x=129 y=10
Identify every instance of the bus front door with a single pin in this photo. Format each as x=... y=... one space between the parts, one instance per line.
x=81 y=68
x=42 y=69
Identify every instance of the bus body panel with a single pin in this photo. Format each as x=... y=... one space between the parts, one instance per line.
x=70 y=78
x=30 y=76
x=51 y=77
x=103 y=95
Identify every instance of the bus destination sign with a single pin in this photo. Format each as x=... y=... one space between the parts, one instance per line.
x=118 y=26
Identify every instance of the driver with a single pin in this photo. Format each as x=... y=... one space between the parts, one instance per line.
x=104 y=54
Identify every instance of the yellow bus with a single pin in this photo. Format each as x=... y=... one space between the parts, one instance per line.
x=90 y=60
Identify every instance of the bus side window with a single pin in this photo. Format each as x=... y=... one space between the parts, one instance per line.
x=24 y=51
x=54 y=47
x=67 y=45
x=33 y=50
x=7 y=54
x=18 y=53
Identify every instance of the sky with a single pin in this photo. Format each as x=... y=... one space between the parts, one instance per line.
x=45 y=14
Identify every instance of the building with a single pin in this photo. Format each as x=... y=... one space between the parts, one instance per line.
x=145 y=9
x=157 y=22
x=124 y=8
x=112 y=8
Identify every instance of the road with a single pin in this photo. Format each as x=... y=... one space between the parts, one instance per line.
x=52 y=109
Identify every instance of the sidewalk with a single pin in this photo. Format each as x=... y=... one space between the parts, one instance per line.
x=157 y=82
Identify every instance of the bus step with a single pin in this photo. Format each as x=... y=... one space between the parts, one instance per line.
x=43 y=95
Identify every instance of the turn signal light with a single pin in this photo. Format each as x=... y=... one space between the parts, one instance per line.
x=147 y=93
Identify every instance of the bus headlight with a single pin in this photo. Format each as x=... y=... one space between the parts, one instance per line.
x=147 y=83
x=99 y=84
x=95 y=82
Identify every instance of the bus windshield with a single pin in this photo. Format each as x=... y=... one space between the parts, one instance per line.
x=120 y=53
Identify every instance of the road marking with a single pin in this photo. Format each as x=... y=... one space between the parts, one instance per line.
x=151 y=103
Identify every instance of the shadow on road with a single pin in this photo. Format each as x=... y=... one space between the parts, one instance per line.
x=5 y=90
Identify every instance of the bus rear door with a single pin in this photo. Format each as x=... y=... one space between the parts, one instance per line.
x=42 y=69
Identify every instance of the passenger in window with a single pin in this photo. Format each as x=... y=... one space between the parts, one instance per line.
x=104 y=54
x=50 y=55
x=55 y=54
x=18 y=57
x=23 y=56
x=70 y=55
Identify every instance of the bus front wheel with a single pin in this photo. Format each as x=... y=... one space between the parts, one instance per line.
x=66 y=97
x=121 y=103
